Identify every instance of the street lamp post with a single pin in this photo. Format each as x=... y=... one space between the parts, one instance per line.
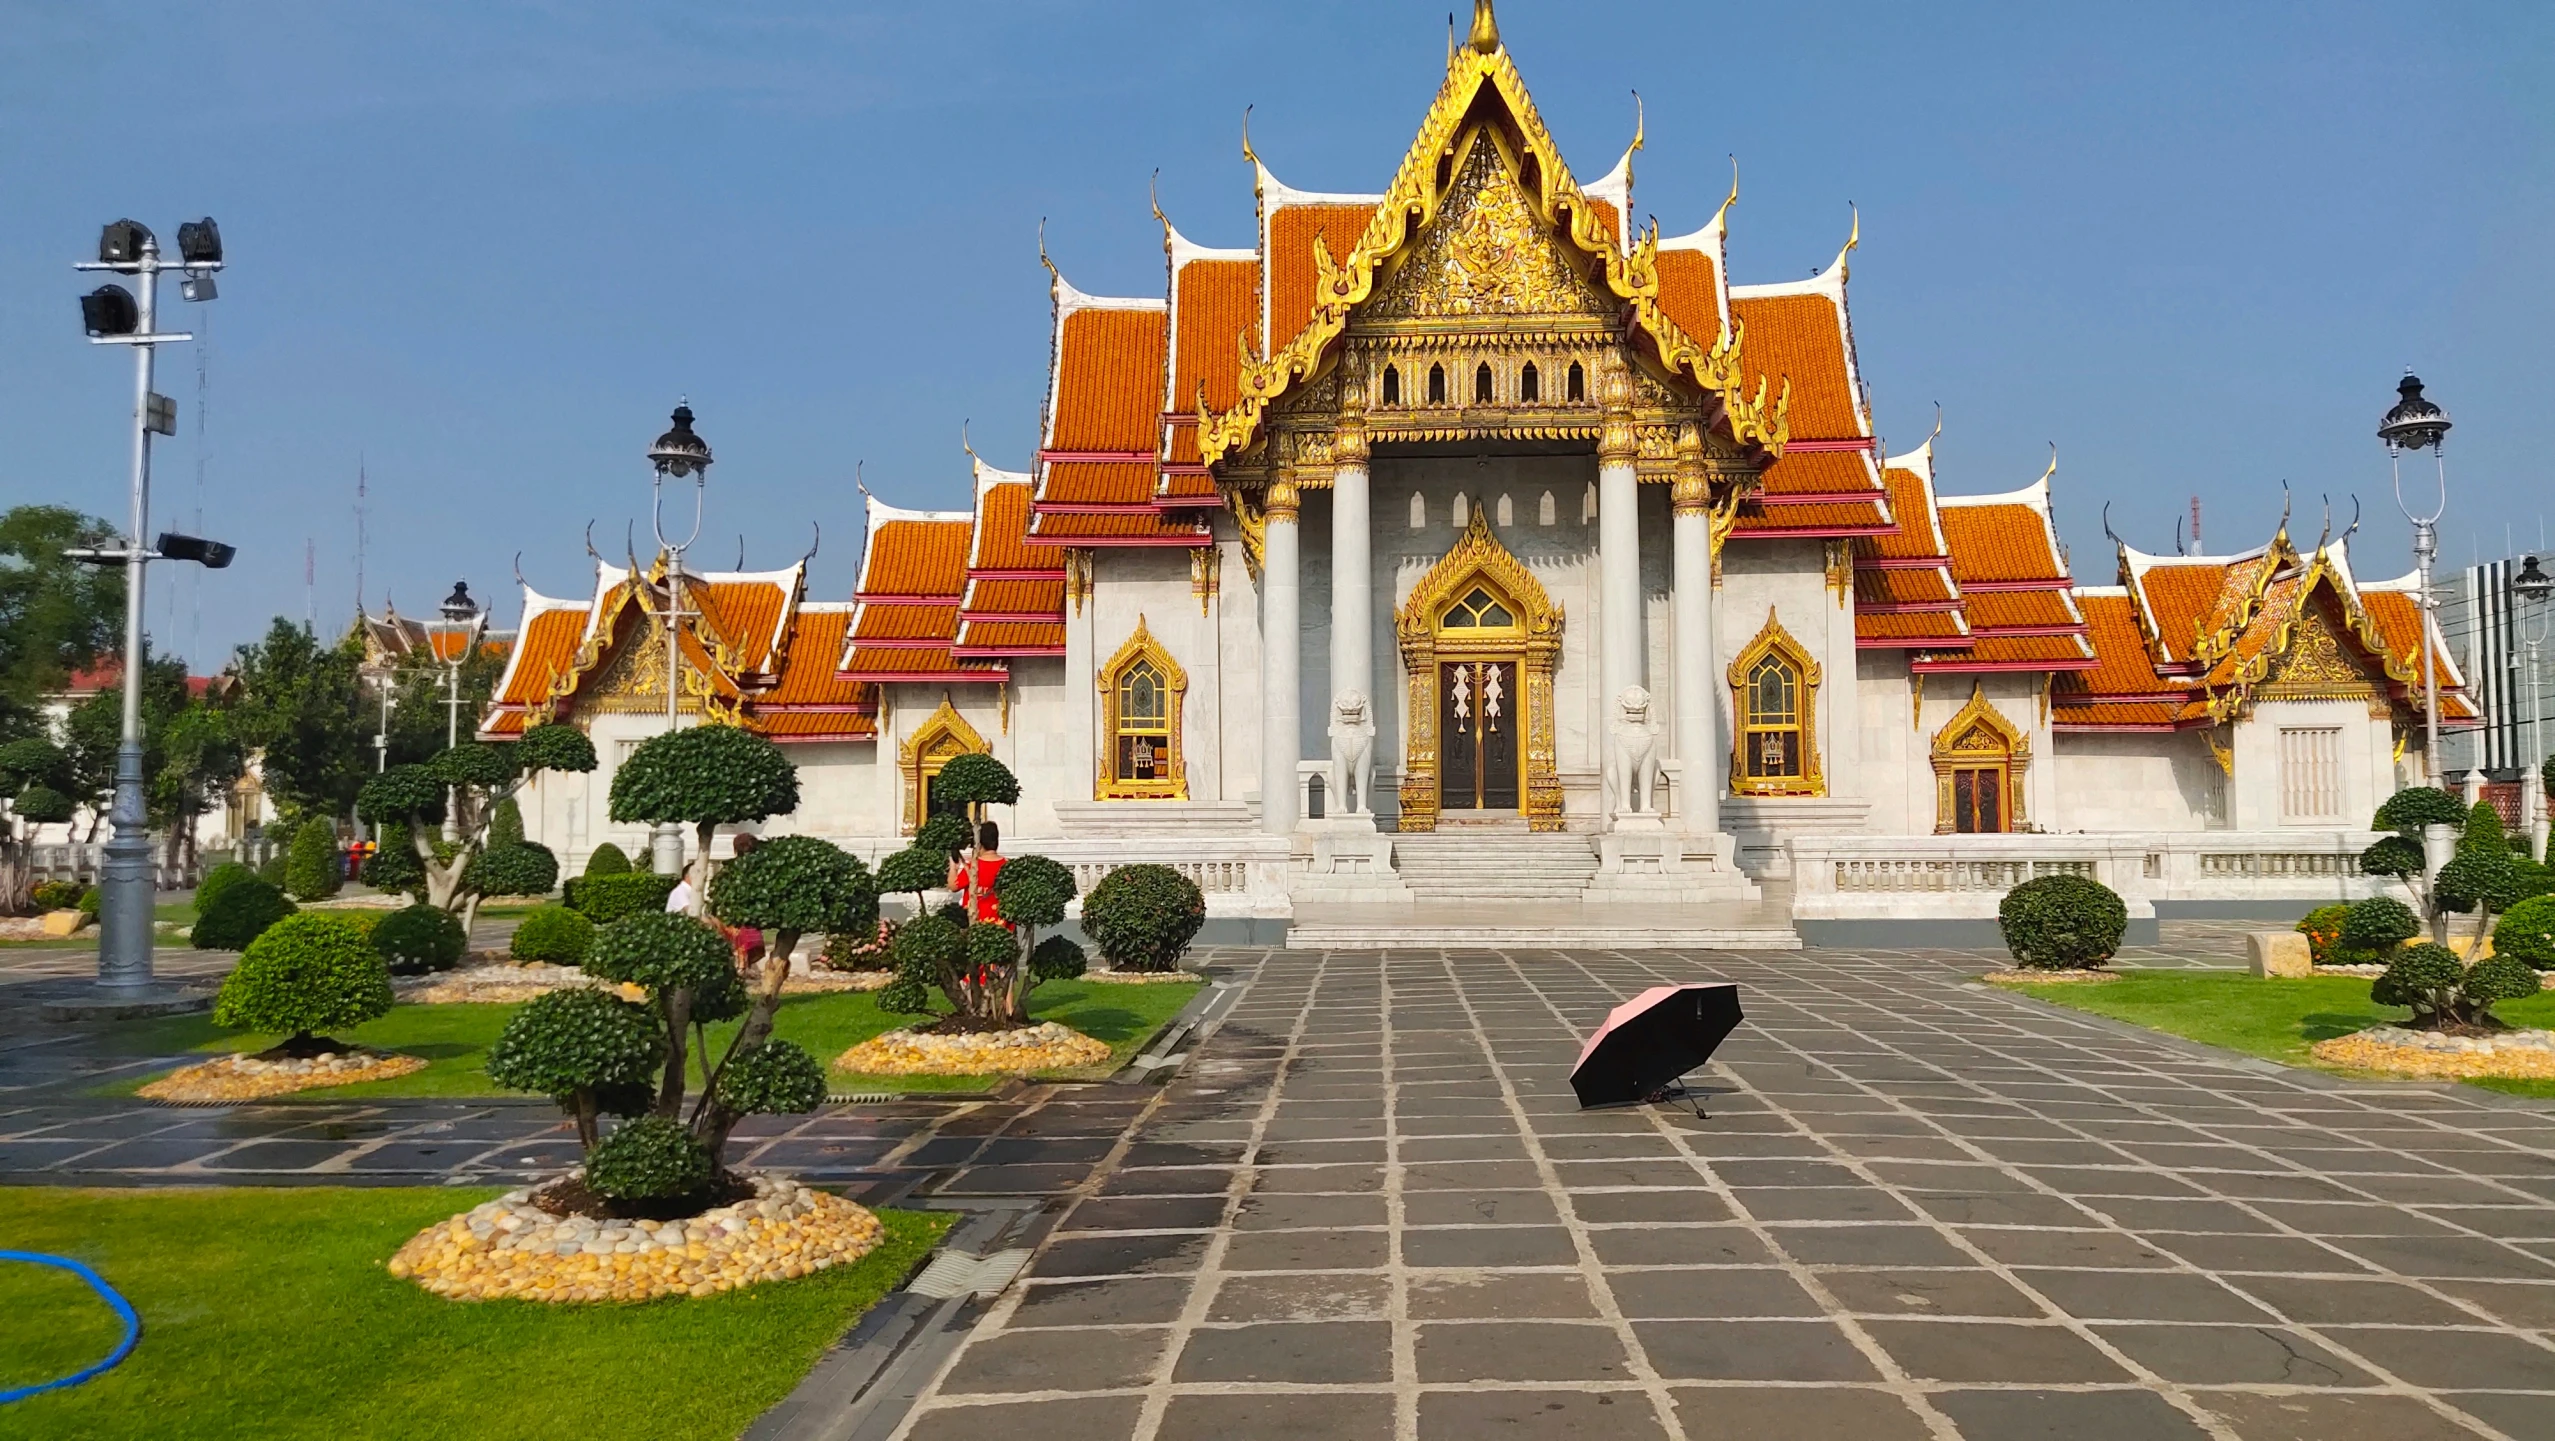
x=113 y=315
x=2533 y=588
x=2415 y=424
x=677 y=454
x=461 y=624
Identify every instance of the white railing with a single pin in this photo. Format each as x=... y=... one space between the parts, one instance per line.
x=1212 y=877
x=1876 y=876
x=84 y=862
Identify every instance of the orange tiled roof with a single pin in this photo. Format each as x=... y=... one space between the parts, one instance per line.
x=805 y=727
x=2122 y=666
x=1919 y=534
x=1289 y=262
x=1002 y=527
x=546 y=650
x=1862 y=517
x=1108 y=379
x=808 y=672
x=745 y=613
x=871 y=664
x=1690 y=293
x=1882 y=629
x=1089 y=482
x=2065 y=714
x=2180 y=598
x=1218 y=313
x=1908 y=586
x=2013 y=652
x=1188 y=487
x=1802 y=337
x=2399 y=622
x=1822 y=472
x=2010 y=609
x=1132 y=527
x=1999 y=543
x=894 y=623
x=926 y=556
x=1017 y=597
x=1009 y=638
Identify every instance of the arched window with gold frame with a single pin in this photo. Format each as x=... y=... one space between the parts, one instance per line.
x=1774 y=688
x=943 y=734
x=1141 y=689
x=1978 y=770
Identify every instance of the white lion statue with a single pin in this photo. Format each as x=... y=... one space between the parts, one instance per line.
x=1632 y=755
x=1352 y=755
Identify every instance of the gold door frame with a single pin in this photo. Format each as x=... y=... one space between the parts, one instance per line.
x=1536 y=639
x=2010 y=755
x=1107 y=784
x=943 y=734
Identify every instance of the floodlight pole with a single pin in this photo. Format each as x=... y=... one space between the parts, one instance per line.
x=2534 y=591
x=129 y=891
x=677 y=454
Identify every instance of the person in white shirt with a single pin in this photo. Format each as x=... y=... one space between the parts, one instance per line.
x=679 y=900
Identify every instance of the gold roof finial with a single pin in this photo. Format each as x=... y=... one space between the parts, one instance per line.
x=2053 y=463
x=1938 y=428
x=1054 y=277
x=1640 y=121
x=1733 y=197
x=963 y=445
x=1854 y=239
x=1485 y=36
x=1247 y=152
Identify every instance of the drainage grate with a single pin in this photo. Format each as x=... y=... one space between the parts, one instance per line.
x=954 y=1274
x=857 y=1098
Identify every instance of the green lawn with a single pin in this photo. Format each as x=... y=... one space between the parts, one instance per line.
x=267 y=1313
x=2277 y=1020
x=454 y=1039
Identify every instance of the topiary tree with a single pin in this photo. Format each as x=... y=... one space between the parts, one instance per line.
x=2323 y=929
x=2058 y=923
x=2497 y=978
x=305 y=974
x=419 y=938
x=2375 y=927
x=313 y=868
x=525 y=868
x=706 y=777
x=649 y=1158
x=2527 y=933
x=2481 y=877
x=2444 y=992
x=689 y=973
x=240 y=912
x=914 y=870
x=477 y=779
x=787 y=888
x=2410 y=813
x=35 y=785
x=585 y=1048
x=1030 y=892
x=552 y=935
x=605 y=899
x=218 y=880
x=926 y=952
x=393 y=867
x=1143 y=917
x=607 y=860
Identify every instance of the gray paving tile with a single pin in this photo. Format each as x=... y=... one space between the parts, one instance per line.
x=1510 y=1295
x=1023 y=1361
x=1286 y=1416
x=2331 y=1416
x=2232 y=1355
x=1300 y=1353
x=2050 y=1415
x=1752 y=1351
x=1519 y=1351
x=1525 y=1415
x=1997 y=1351
x=1083 y=1418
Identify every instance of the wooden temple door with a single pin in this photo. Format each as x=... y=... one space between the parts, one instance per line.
x=1477 y=731
x=1978 y=800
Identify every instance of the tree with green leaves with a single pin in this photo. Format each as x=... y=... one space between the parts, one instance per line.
x=2483 y=876
x=2409 y=813
x=57 y=616
x=33 y=772
x=476 y=777
x=200 y=759
x=974 y=781
x=301 y=710
x=788 y=887
x=705 y=777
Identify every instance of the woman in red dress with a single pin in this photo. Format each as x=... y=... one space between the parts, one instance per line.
x=989 y=860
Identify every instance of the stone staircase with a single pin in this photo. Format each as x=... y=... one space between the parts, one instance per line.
x=1461 y=866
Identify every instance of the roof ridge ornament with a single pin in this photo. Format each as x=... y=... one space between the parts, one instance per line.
x=1733 y=197
x=1485 y=36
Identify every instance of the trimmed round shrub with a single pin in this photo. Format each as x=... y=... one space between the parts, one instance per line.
x=975 y=779
x=416 y=939
x=314 y=869
x=991 y=946
x=219 y=879
x=943 y=835
x=914 y=870
x=715 y=775
x=523 y=868
x=2062 y=923
x=2425 y=977
x=239 y=914
x=723 y=999
x=2378 y=925
x=306 y=974
x=606 y=899
x=577 y=1039
x=2527 y=933
x=662 y=952
x=1143 y=917
x=1032 y=891
x=55 y=895
x=393 y=867
x=607 y=860
x=552 y=934
x=2498 y=978
x=1057 y=959
x=648 y=1158
x=922 y=951
x=776 y=1078
x=2323 y=929
x=797 y=884
x=272 y=870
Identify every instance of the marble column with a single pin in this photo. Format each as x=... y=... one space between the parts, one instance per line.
x=1619 y=655
x=1697 y=662
x=1352 y=574
x=1281 y=658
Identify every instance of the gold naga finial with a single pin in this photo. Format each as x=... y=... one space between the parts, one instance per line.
x=1153 y=193
x=2047 y=475
x=1733 y=197
x=1054 y=277
x=1938 y=424
x=1640 y=121
x=1853 y=238
x=963 y=444
x=1485 y=36
x=857 y=467
x=1247 y=152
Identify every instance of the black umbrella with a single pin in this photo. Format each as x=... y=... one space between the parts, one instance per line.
x=1653 y=1039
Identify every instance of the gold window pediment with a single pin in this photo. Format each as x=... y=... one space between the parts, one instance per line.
x=1774 y=693
x=920 y=755
x=1142 y=690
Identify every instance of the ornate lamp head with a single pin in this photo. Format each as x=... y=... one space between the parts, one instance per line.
x=458 y=607
x=679 y=452
x=2533 y=584
x=2413 y=423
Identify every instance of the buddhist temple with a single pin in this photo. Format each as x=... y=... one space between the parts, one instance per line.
x=1469 y=540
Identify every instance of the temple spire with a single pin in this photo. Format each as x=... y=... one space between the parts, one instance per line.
x=1485 y=36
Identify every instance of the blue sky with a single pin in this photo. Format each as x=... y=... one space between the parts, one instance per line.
x=483 y=248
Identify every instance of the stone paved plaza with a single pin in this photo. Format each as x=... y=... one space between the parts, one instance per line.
x=1369 y=1207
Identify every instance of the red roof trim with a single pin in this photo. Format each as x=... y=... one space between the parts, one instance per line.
x=1025 y=617
x=820 y=708
x=1056 y=574
x=1102 y=456
x=1913 y=607
x=1182 y=542
x=1871 y=443
x=901 y=643
x=2021 y=630
x=926 y=677
x=1770 y=500
x=2035 y=666
x=1920 y=642
x=870 y=598
x=1810 y=532
x=968 y=652
x=1987 y=587
x=1092 y=507
x=1188 y=502
x=1901 y=562
x=2117 y=727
